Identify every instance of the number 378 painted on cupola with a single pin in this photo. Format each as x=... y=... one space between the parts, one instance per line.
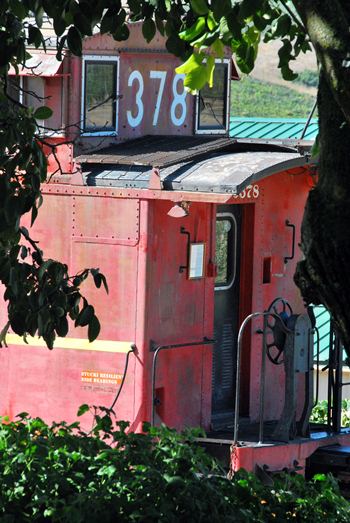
x=178 y=109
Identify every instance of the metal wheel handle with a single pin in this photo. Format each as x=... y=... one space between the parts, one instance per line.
x=274 y=349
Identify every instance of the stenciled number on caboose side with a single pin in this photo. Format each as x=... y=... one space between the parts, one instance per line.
x=251 y=191
x=178 y=98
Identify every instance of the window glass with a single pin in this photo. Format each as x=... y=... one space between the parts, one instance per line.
x=225 y=251
x=212 y=102
x=100 y=96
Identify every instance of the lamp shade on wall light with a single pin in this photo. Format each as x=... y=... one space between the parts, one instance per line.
x=179 y=210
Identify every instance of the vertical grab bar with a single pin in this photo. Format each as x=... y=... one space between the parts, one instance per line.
x=238 y=372
x=263 y=371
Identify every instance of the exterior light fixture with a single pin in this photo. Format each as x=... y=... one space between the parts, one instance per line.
x=179 y=210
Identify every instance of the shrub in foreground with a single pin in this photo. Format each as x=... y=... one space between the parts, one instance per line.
x=320 y=410
x=59 y=473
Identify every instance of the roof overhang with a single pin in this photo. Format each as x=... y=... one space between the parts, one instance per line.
x=230 y=173
x=39 y=64
x=220 y=173
x=219 y=166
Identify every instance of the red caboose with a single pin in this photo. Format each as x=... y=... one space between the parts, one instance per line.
x=194 y=231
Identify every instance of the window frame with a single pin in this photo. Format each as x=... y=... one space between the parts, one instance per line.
x=216 y=130
x=220 y=286
x=107 y=59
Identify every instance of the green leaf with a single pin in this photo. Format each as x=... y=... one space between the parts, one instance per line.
x=18 y=9
x=62 y=327
x=134 y=6
x=220 y=8
x=249 y=7
x=234 y=26
x=259 y=21
x=287 y=73
x=59 y=26
x=49 y=338
x=122 y=33
x=39 y=14
x=24 y=252
x=160 y=25
x=320 y=477
x=44 y=267
x=194 y=61
x=109 y=21
x=94 y=328
x=104 y=282
x=283 y=25
x=74 y=41
x=82 y=409
x=196 y=79
x=211 y=22
x=245 y=57
x=43 y=113
x=195 y=30
x=148 y=29
x=85 y=316
x=200 y=6
x=83 y=23
x=176 y=46
x=218 y=48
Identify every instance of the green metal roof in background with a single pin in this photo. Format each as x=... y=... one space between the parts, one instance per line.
x=323 y=324
x=273 y=128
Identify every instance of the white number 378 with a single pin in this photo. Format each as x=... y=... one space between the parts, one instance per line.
x=178 y=109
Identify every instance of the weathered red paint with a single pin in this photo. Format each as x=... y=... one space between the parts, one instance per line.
x=129 y=235
x=140 y=248
x=282 y=456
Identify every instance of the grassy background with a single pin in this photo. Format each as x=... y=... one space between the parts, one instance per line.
x=251 y=97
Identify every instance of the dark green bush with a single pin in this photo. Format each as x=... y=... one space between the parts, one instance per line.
x=308 y=78
x=60 y=474
x=319 y=412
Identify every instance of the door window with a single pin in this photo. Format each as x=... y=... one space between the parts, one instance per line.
x=226 y=246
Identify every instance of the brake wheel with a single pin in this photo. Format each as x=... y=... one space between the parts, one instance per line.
x=276 y=329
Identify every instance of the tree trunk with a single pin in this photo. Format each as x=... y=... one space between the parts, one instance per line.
x=324 y=275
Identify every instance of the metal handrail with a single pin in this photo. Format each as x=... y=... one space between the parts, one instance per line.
x=157 y=349
x=317 y=365
x=264 y=314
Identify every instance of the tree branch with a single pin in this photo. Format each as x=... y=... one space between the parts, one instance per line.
x=25 y=234
x=297 y=21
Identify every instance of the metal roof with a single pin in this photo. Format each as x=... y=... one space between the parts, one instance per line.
x=157 y=151
x=273 y=128
x=218 y=173
x=39 y=64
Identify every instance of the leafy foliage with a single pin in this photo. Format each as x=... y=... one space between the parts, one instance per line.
x=251 y=97
x=59 y=473
x=308 y=78
x=319 y=413
x=40 y=293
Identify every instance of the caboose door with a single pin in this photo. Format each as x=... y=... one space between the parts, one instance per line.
x=228 y=227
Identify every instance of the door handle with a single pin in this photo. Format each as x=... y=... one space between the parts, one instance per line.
x=289 y=224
